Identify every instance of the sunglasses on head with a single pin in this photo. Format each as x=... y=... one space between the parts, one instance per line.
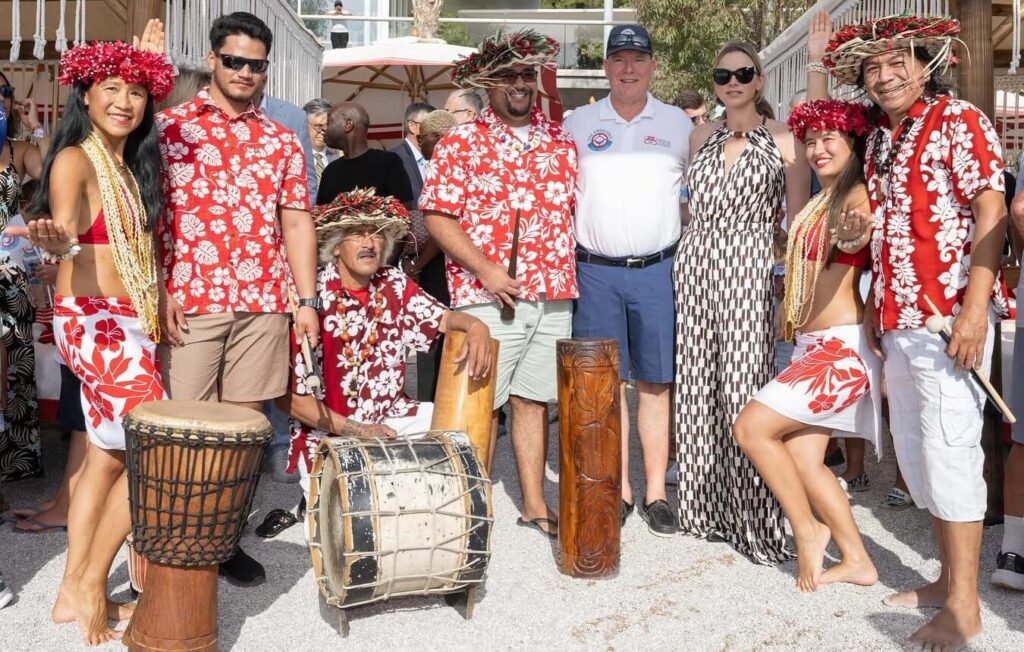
x=509 y=77
x=7 y=91
x=231 y=62
x=634 y=40
x=745 y=75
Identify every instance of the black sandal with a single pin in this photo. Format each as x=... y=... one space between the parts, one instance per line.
x=535 y=524
x=276 y=522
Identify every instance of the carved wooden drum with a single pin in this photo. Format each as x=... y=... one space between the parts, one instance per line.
x=387 y=518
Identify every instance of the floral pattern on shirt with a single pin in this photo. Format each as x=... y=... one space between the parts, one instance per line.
x=410 y=321
x=225 y=181
x=480 y=176
x=924 y=231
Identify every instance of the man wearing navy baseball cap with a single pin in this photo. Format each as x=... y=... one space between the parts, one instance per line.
x=632 y=151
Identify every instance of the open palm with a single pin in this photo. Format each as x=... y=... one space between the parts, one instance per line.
x=818 y=35
x=152 y=38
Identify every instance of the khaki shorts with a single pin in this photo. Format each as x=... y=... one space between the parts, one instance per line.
x=239 y=357
x=526 y=355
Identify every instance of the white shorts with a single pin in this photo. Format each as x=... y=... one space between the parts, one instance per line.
x=418 y=423
x=936 y=416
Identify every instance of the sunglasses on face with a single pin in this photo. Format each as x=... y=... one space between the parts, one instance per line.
x=509 y=77
x=639 y=42
x=745 y=75
x=7 y=91
x=699 y=119
x=256 y=66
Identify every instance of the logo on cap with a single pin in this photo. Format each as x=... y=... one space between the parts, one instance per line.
x=628 y=32
x=600 y=140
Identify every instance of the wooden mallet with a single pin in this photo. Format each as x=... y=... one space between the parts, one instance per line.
x=939 y=325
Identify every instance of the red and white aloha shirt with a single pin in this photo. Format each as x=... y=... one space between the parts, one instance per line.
x=225 y=181
x=403 y=318
x=921 y=244
x=481 y=173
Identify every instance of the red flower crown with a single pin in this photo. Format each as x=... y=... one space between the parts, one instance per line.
x=361 y=206
x=94 y=62
x=502 y=50
x=829 y=115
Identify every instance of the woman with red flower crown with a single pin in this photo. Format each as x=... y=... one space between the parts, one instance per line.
x=831 y=387
x=101 y=184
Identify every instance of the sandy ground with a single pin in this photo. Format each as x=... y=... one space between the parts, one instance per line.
x=670 y=593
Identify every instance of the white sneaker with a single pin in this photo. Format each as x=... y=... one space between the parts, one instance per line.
x=1009 y=572
x=6 y=595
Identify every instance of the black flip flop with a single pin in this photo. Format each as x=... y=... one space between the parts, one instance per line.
x=276 y=522
x=535 y=524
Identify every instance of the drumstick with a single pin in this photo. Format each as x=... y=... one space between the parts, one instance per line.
x=939 y=325
x=311 y=378
x=508 y=313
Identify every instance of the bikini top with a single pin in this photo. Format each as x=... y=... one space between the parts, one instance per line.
x=858 y=260
x=96 y=233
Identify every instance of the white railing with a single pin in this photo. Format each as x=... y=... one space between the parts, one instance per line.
x=294 y=59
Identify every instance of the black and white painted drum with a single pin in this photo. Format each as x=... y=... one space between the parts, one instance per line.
x=407 y=516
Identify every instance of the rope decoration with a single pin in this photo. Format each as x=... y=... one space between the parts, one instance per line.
x=60 y=39
x=15 y=30
x=79 y=21
x=39 y=51
x=1015 y=48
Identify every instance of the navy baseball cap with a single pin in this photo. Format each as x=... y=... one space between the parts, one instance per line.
x=629 y=37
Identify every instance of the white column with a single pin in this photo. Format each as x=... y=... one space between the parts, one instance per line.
x=609 y=15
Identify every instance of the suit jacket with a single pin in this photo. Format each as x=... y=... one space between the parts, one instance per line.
x=294 y=118
x=404 y=151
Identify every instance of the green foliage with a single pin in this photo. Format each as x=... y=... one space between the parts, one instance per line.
x=589 y=54
x=456 y=34
x=572 y=4
x=688 y=34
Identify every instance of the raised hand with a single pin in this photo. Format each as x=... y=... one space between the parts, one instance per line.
x=818 y=35
x=152 y=38
x=852 y=231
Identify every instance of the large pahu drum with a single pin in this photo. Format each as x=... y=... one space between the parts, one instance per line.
x=192 y=472
x=409 y=516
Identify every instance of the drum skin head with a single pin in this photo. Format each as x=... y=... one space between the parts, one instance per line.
x=410 y=516
x=200 y=415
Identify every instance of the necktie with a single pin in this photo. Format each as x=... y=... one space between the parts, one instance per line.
x=319 y=164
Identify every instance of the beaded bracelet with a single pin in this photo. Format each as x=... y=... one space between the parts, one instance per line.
x=816 y=67
x=55 y=259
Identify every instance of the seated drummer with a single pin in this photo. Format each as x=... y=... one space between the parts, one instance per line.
x=371 y=318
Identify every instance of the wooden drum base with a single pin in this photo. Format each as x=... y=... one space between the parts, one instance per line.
x=177 y=611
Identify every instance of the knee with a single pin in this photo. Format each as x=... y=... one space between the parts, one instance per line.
x=744 y=430
x=104 y=461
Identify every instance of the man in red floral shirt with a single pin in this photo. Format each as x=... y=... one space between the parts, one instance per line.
x=237 y=236
x=511 y=168
x=935 y=180
x=372 y=318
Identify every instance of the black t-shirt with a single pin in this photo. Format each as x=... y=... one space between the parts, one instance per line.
x=376 y=169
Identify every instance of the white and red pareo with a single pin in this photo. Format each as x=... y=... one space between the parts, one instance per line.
x=101 y=341
x=833 y=381
x=365 y=339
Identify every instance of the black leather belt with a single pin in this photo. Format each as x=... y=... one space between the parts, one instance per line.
x=585 y=256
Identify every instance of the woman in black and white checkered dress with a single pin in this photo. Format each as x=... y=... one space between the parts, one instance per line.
x=741 y=170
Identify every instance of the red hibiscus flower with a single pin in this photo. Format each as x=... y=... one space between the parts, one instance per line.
x=822 y=403
x=108 y=335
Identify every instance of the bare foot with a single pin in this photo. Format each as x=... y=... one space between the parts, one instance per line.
x=930 y=596
x=25 y=512
x=64 y=608
x=92 y=619
x=810 y=555
x=862 y=573
x=950 y=629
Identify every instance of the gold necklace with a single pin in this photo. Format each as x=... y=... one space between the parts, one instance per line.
x=801 y=273
x=130 y=243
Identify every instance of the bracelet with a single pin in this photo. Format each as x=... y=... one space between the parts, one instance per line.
x=39 y=133
x=849 y=246
x=816 y=67
x=55 y=259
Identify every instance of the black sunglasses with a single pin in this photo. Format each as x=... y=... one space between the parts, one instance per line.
x=634 y=40
x=231 y=62
x=509 y=77
x=7 y=91
x=743 y=75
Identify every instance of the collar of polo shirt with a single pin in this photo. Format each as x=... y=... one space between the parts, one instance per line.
x=607 y=112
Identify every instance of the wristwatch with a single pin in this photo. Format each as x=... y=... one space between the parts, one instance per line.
x=313 y=303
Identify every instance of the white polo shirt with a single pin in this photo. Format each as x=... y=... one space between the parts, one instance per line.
x=627 y=195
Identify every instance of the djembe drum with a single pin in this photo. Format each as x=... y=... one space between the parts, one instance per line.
x=389 y=518
x=590 y=454
x=192 y=472
x=463 y=404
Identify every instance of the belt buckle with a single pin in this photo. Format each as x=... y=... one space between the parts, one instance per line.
x=634 y=263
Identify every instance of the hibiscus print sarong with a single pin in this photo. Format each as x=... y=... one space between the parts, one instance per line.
x=102 y=343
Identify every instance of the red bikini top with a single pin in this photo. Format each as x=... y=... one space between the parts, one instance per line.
x=857 y=260
x=97 y=232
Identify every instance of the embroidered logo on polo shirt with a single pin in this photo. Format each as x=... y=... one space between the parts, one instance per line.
x=657 y=142
x=600 y=140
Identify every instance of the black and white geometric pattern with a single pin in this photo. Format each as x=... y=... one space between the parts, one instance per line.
x=725 y=342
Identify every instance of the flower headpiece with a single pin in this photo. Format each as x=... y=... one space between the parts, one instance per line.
x=828 y=115
x=525 y=47
x=93 y=62
x=361 y=207
x=852 y=44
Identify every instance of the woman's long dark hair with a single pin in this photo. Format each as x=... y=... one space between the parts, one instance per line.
x=849 y=178
x=141 y=155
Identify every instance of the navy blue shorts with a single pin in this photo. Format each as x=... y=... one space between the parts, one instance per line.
x=69 y=405
x=637 y=308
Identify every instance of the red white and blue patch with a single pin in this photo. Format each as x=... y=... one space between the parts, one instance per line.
x=600 y=140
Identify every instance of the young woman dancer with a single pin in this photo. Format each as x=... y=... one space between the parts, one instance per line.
x=832 y=385
x=101 y=184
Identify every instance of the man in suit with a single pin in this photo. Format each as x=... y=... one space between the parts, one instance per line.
x=316 y=120
x=288 y=115
x=409 y=149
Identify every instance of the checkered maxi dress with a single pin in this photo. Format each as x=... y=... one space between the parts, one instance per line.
x=725 y=342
